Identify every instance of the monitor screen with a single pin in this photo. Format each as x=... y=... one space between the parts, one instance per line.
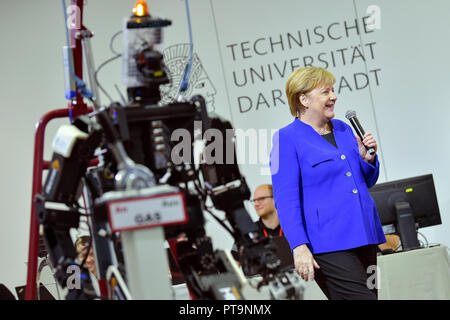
x=408 y=204
x=419 y=192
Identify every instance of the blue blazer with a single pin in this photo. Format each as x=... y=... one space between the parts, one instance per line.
x=322 y=192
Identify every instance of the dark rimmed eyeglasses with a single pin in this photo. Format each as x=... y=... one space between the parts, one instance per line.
x=260 y=199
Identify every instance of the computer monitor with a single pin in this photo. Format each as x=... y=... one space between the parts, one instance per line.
x=405 y=203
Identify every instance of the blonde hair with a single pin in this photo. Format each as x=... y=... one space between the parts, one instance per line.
x=302 y=81
x=268 y=187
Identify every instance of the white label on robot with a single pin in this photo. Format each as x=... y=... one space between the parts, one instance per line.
x=148 y=212
x=65 y=139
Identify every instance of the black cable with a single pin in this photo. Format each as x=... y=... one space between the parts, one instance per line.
x=76 y=207
x=203 y=196
x=112 y=41
x=97 y=71
x=116 y=55
x=426 y=240
x=88 y=248
x=199 y=187
x=221 y=223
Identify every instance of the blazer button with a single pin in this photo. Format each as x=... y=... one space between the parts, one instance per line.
x=348 y=174
x=343 y=157
x=355 y=190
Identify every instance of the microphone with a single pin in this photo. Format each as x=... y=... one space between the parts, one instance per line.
x=351 y=116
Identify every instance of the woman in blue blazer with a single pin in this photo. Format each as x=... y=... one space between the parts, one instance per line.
x=321 y=175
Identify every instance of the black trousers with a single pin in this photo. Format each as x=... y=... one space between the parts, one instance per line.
x=348 y=274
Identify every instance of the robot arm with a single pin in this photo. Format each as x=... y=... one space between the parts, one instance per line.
x=57 y=209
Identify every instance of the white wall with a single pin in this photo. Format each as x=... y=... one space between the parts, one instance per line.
x=407 y=110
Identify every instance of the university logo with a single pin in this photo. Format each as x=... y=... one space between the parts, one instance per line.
x=176 y=58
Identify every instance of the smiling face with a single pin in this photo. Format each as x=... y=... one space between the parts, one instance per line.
x=319 y=103
x=263 y=201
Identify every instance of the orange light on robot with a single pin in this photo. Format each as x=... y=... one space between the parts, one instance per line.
x=140 y=9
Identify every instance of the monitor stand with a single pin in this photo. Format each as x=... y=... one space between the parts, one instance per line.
x=406 y=226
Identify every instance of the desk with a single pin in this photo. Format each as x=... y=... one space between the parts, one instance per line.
x=421 y=274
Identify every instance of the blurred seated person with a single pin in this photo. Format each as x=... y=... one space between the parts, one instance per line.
x=81 y=246
x=268 y=223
